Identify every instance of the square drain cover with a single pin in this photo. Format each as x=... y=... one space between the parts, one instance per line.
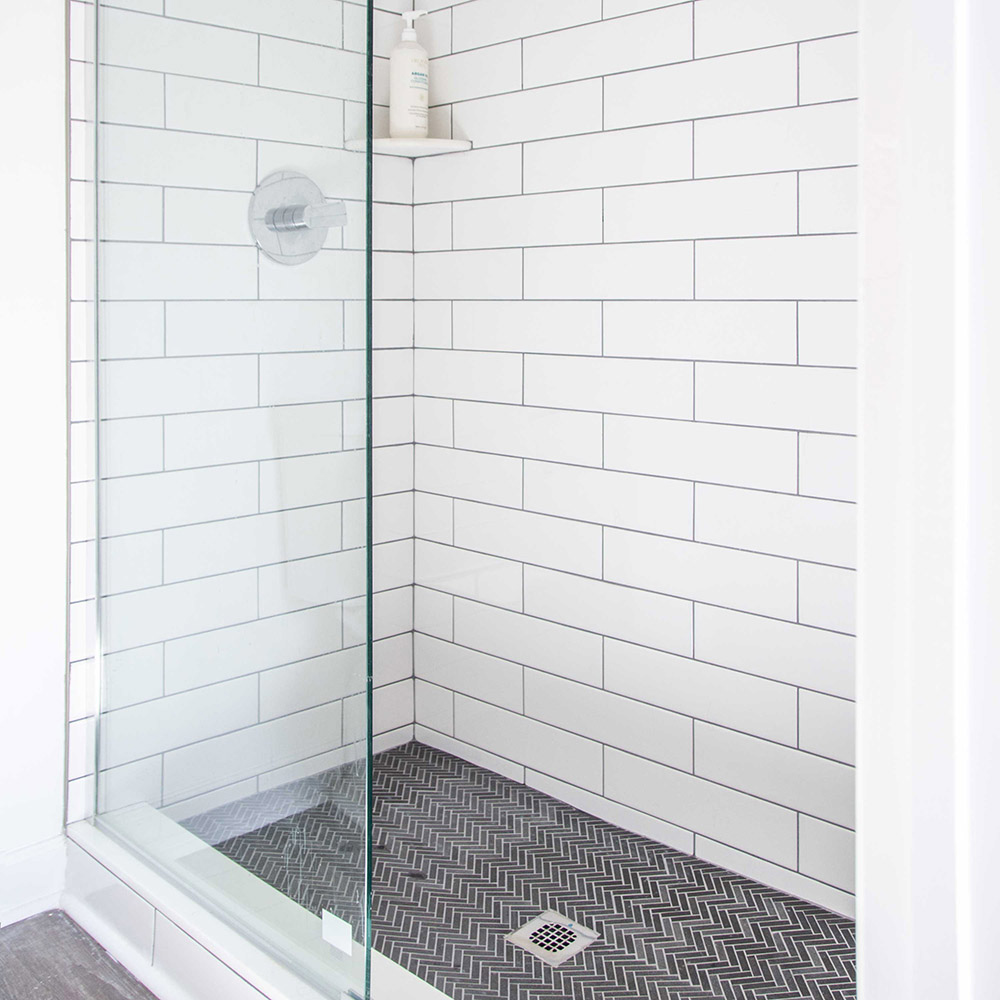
x=553 y=938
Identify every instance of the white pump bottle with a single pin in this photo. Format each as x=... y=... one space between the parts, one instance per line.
x=409 y=84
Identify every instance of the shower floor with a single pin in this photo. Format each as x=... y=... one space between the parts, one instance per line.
x=464 y=856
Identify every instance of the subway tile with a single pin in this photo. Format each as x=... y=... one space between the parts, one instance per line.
x=556 y=649
x=703 y=331
x=822 y=531
x=312 y=69
x=608 y=718
x=730 y=206
x=434 y=707
x=249 y=435
x=828 y=201
x=132 y=446
x=308 y=583
x=312 y=378
x=727 y=85
x=645 y=503
x=478 y=376
x=309 y=683
x=253 y=327
x=131 y=97
x=166 y=499
x=446 y=664
x=308 y=20
x=808 y=657
x=826 y=726
x=249 y=752
x=491 y=21
x=478 y=274
x=761 y=828
x=623 y=271
x=713 y=453
x=170 y=271
x=432 y=421
x=554 y=751
x=432 y=227
x=131 y=213
x=392 y=661
x=153 y=727
x=828 y=466
x=129 y=562
x=528 y=221
x=529 y=432
x=827 y=597
x=434 y=518
x=131 y=330
x=432 y=323
x=827 y=853
x=253 y=112
x=779 y=774
x=532 y=327
x=612 y=812
x=648 y=155
x=728 y=698
x=242 y=543
x=730 y=25
x=495 y=69
x=433 y=613
x=218 y=217
x=566 y=109
x=169 y=45
x=828 y=69
x=473 y=754
x=705 y=573
x=312 y=479
x=609 y=385
x=530 y=538
x=339 y=173
x=336 y=274
x=170 y=385
x=822 y=135
x=467 y=474
x=254 y=646
x=828 y=333
x=145 y=616
x=605 y=608
x=469 y=574
x=182 y=159
x=609 y=46
x=797 y=267
x=132 y=676
x=774 y=875
x=478 y=173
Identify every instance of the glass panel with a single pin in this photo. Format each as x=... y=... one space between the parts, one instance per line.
x=234 y=455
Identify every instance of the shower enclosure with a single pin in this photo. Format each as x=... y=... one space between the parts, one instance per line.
x=465 y=568
x=233 y=360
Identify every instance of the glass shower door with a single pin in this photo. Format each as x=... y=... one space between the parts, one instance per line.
x=233 y=346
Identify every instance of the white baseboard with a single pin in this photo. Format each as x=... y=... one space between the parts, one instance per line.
x=32 y=880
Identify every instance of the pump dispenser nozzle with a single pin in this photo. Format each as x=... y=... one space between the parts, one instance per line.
x=410 y=16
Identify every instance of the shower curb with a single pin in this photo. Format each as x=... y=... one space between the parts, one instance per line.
x=179 y=949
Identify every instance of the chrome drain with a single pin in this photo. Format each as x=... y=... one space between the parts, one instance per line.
x=553 y=938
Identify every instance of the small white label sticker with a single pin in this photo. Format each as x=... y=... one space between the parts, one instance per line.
x=337 y=932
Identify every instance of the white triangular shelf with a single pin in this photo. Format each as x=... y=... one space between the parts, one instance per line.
x=411 y=147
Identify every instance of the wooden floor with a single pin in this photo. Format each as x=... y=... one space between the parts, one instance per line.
x=48 y=957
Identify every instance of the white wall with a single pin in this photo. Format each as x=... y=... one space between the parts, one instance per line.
x=635 y=418
x=33 y=431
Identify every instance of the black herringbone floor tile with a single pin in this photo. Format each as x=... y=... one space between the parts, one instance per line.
x=490 y=854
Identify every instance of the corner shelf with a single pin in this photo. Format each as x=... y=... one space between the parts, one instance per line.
x=411 y=147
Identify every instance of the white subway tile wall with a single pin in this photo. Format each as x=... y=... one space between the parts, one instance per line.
x=634 y=417
x=232 y=405
x=615 y=416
